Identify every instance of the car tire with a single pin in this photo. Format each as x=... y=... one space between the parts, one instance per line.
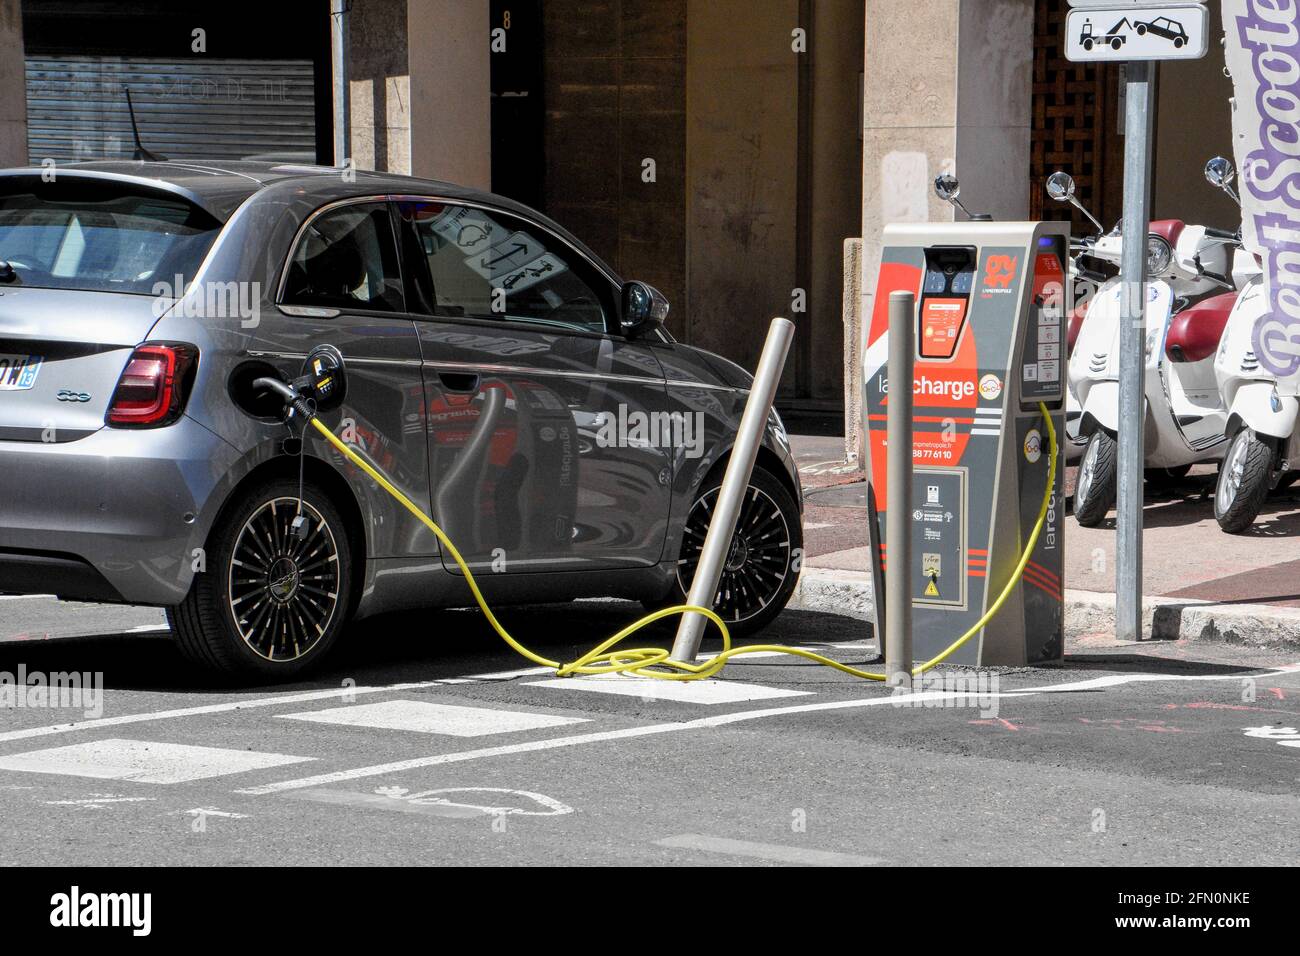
x=1116 y=43
x=1087 y=44
x=1142 y=30
x=1094 y=494
x=251 y=612
x=1245 y=477
x=767 y=550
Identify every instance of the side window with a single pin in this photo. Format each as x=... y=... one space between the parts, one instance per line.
x=347 y=259
x=490 y=265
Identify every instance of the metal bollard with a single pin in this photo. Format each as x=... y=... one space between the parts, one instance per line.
x=753 y=423
x=898 y=502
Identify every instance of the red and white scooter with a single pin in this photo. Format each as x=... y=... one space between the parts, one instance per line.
x=1189 y=298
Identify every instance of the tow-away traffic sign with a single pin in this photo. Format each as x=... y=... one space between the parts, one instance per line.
x=1120 y=31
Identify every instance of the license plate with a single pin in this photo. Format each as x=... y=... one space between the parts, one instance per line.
x=18 y=372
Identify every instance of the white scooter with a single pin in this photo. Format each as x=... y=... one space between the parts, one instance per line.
x=1184 y=319
x=1261 y=424
x=1087 y=280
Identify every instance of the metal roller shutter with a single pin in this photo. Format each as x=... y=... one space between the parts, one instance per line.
x=185 y=108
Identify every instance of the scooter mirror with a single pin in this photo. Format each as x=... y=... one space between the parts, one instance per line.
x=1220 y=172
x=1060 y=186
x=947 y=188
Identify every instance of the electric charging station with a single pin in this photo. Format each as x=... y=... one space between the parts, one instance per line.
x=989 y=347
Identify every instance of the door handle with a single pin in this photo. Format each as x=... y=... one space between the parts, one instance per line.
x=459 y=381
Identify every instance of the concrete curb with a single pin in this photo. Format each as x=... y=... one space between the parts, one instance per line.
x=849 y=594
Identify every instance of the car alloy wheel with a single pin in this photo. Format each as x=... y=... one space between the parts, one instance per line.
x=283 y=591
x=758 y=561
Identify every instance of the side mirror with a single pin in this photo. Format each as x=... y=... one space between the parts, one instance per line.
x=644 y=308
x=1221 y=173
x=947 y=188
x=1060 y=186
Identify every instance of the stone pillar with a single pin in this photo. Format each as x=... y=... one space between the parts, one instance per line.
x=379 y=85
x=419 y=89
x=448 y=51
x=854 y=451
x=948 y=85
x=13 y=105
x=742 y=200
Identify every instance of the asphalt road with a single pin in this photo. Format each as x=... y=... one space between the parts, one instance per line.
x=427 y=742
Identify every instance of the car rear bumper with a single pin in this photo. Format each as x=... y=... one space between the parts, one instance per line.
x=118 y=516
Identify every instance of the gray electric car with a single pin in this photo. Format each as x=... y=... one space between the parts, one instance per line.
x=498 y=373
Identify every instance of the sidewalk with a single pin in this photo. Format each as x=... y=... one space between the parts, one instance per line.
x=1198 y=582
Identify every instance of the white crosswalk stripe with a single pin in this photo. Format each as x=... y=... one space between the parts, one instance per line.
x=143 y=761
x=426 y=717
x=706 y=692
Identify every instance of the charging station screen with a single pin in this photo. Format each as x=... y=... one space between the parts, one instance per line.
x=945 y=300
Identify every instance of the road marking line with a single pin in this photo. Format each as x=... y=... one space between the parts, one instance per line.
x=574 y=740
x=97 y=802
x=705 y=692
x=143 y=761
x=550 y=807
x=379 y=770
x=766 y=851
x=717 y=720
x=23 y=597
x=375 y=801
x=429 y=718
x=148 y=716
x=1116 y=680
x=201 y=812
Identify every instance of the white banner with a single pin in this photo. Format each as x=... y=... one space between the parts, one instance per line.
x=1263 y=55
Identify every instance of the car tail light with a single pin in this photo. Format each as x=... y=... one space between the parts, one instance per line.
x=153 y=387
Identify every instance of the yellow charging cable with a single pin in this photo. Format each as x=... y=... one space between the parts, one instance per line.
x=602 y=660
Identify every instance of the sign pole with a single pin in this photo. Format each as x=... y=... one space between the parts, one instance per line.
x=1140 y=103
x=1139 y=32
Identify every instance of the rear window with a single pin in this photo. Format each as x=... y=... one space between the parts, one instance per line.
x=101 y=239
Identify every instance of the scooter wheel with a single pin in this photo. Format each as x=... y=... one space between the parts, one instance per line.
x=1245 y=476
x=1094 y=490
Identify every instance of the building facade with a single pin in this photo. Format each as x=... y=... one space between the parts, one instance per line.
x=722 y=150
